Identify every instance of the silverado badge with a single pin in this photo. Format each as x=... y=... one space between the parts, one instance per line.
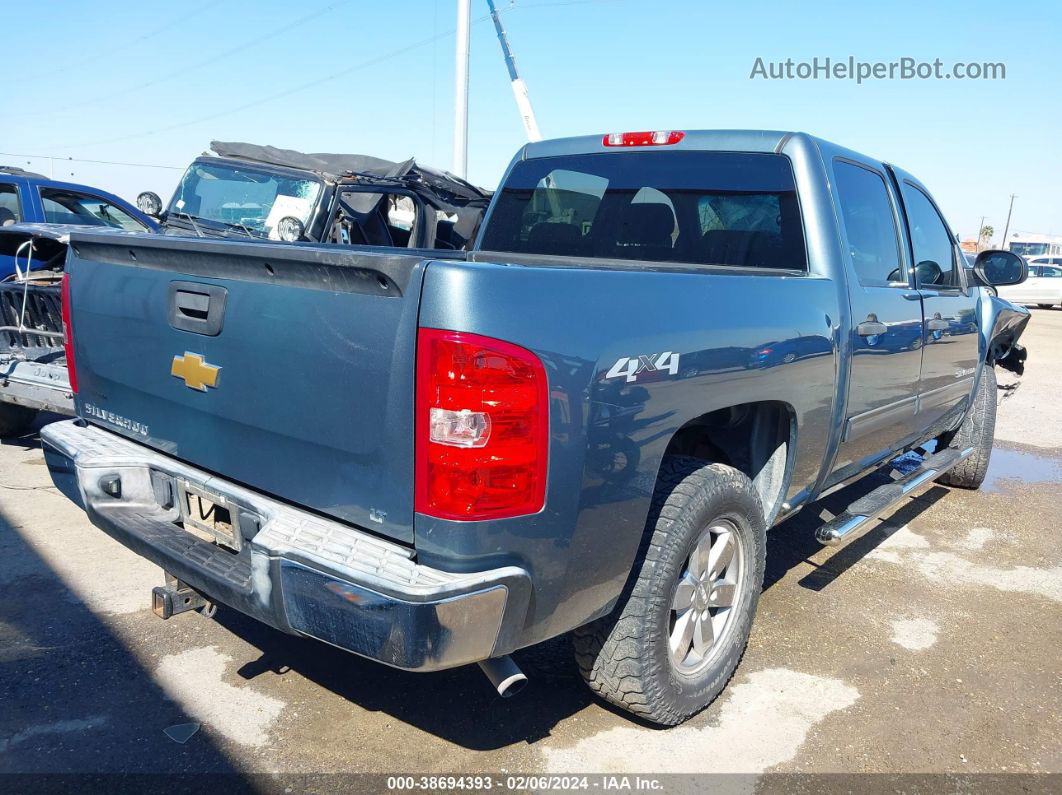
x=194 y=371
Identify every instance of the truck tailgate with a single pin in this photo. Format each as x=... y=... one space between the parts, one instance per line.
x=286 y=368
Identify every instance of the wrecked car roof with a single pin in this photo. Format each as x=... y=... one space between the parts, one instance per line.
x=439 y=188
x=325 y=163
x=339 y=166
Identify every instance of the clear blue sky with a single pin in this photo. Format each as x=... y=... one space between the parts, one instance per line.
x=154 y=83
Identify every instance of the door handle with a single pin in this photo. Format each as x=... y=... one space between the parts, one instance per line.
x=937 y=324
x=871 y=328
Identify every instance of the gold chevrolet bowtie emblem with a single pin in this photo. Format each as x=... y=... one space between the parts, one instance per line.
x=194 y=371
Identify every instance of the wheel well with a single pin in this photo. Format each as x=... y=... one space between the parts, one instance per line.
x=755 y=438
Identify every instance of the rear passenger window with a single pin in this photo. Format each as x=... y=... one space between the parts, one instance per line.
x=932 y=243
x=10 y=212
x=869 y=224
x=712 y=208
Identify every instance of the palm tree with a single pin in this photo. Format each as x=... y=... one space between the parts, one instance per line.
x=986 y=235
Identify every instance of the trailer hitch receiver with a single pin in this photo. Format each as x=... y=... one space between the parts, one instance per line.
x=176 y=597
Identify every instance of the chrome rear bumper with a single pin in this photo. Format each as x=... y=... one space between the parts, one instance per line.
x=296 y=571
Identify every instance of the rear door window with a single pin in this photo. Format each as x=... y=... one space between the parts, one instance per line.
x=708 y=208
x=869 y=225
x=10 y=209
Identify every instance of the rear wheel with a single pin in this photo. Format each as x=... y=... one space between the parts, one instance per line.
x=15 y=420
x=977 y=431
x=682 y=624
x=1045 y=306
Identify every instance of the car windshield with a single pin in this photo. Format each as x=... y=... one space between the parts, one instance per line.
x=250 y=198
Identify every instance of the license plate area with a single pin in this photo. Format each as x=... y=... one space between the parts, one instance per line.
x=209 y=516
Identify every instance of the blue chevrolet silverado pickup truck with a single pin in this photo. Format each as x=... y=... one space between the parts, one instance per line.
x=661 y=345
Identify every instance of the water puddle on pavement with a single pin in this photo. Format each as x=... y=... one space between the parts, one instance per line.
x=1020 y=467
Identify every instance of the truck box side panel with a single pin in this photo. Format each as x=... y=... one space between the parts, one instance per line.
x=739 y=338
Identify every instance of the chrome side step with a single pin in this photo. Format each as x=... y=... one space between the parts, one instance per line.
x=857 y=517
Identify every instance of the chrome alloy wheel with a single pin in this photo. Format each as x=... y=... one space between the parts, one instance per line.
x=705 y=597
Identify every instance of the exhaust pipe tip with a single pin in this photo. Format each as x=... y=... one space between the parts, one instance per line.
x=504 y=674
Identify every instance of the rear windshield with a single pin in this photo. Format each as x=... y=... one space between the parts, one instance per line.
x=709 y=208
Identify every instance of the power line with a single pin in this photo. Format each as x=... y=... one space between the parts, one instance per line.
x=84 y=160
x=311 y=83
x=82 y=60
x=190 y=67
x=278 y=95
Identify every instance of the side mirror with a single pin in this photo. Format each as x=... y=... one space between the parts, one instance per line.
x=999 y=268
x=149 y=203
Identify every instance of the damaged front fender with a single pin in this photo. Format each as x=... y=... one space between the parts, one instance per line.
x=1002 y=324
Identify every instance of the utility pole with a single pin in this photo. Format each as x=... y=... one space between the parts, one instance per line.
x=977 y=244
x=523 y=101
x=1007 y=227
x=464 y=13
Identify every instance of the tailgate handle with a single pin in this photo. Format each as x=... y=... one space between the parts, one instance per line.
x=198 y=308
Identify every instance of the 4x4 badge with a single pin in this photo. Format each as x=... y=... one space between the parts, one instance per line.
x=194 y=371
x=631 y=368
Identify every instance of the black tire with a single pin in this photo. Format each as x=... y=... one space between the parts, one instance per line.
x=15 y=420
x=624 y=657
x=978 y=431
x=1045 y=306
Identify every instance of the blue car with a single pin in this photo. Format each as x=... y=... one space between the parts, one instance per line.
x=26 y=197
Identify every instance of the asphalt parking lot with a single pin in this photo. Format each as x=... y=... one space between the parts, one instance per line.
x=930 y=645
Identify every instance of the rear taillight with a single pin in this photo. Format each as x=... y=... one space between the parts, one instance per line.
x=648 y=138
x=68 y=334
x=482 y=427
